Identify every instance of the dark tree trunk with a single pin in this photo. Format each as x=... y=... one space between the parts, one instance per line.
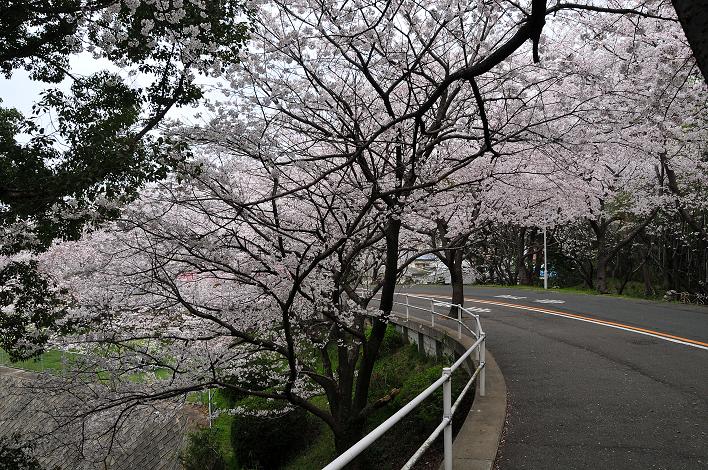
x=693 y=15
x=646 y=276
x=605 y=253
x=456 y=280
x=522 y=273
x=601 y=273
x=350 y=434
x=539 y=257
x=588 y=275
x=349 y=408
x=666 y=264
x=645 y=252
x=602 y=258
x=627 y=276
x=675 y=263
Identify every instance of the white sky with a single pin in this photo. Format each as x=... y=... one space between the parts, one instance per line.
x=21 y=92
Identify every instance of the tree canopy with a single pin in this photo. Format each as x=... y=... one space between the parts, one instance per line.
x=86 y=151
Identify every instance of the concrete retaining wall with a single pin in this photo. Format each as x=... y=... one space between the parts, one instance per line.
x=433 y=342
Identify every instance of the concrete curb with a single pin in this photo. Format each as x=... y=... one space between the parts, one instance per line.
x=476 y=444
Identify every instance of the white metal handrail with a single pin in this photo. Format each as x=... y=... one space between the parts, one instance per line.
x=445 y=425
x=433 y=313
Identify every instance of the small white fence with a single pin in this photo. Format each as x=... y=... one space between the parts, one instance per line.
x=444 y=381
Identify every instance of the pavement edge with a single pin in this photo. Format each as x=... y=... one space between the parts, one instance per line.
x=476 y=444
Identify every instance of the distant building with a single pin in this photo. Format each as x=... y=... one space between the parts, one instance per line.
x=428 y=269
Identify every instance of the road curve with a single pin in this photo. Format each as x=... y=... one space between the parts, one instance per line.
x=597 y=382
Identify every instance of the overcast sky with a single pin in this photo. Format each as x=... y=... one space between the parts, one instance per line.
x=21 y=92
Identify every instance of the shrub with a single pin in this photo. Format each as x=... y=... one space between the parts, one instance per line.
x=392 y=341
x=268 y=442
x=16 y=454
x=203 y=451
x=427 y=412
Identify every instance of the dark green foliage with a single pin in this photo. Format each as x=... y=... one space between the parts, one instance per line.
x=203 y=451
x=17 y=455
x=429 y=410
x=29 y=305
x=409 y=373
x=406 y=373
x=100 y=158
x=99 y=147
x=231 y=396
x=33 y=38
x=268 y=441
x=392 y=341
x=392 y=369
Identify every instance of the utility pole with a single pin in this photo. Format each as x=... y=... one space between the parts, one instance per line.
x=545 y=260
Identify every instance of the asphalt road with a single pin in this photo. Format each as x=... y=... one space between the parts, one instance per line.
x=584 y=395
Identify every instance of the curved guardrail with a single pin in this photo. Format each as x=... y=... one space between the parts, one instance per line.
x=444 y=381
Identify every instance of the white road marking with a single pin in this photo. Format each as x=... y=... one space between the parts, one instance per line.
x=507 y=296
x=610 y=324
x=478 y=309
x=550 y=301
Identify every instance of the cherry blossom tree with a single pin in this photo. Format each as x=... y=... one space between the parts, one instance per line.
x=621 y=137
x=244 y=269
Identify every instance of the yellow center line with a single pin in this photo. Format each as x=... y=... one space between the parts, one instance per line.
x=611 y=324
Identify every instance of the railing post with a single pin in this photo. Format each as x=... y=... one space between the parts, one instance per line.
x=432 y=315
x=407 y=307
x=483 y=364
x=459 y=322
x=209 y=398
x=477 y=332
x=447 y=414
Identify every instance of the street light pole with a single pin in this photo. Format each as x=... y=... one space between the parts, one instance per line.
x=545 y=260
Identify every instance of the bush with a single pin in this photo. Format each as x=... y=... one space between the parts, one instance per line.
x=203 y=451
x=268 y=442
x=392 y=341
x=429 y=411
x=16 y=454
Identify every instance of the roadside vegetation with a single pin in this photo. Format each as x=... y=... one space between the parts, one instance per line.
x=266 y=434
x=632 y=289
x=652 y=257
x=291 y=439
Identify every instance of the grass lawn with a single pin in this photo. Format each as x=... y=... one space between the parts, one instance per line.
x=53 y=361
x=223 y=426
x=50 y=360
x=222 y=423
